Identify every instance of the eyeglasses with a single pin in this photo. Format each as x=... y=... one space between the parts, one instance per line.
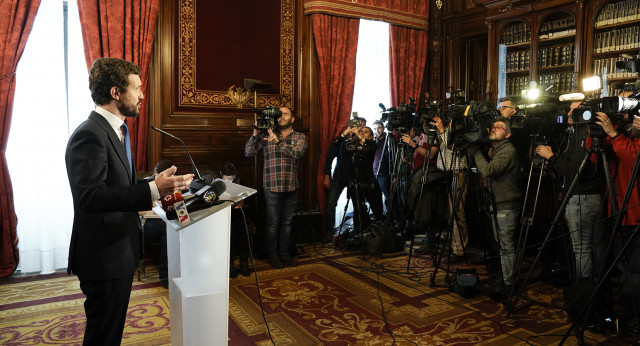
x=498 y=127
x=503 y=107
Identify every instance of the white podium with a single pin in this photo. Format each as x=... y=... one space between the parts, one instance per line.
x=198 y=255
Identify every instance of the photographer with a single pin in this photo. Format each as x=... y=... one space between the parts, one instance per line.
x=583 y=207
x=280 y=180
x=625 y=150
x=358 y=147
x=341 y=173
x=504 y=183
x=453 y=162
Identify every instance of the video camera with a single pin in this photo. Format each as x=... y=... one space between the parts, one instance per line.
x=267 y=118
x=469 y=123
x=431 y=109
x=399 y=118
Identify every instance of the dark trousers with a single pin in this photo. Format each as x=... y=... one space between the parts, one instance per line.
x=106 y=309
x=280 y=209
x=335 y=190
x=239 y=238
x=384 y=181
x=155 y=231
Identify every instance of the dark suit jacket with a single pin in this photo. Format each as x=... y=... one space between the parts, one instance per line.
x=105 y=241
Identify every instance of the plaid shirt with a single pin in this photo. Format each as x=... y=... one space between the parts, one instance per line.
x=280 y=160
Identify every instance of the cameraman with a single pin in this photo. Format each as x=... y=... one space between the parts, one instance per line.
x=502 y=169
x=455 y=163
x=359 y=148
x=507 y=107
x=341 y=173
x=625 y=150
x=280 y=180
x=583 y=207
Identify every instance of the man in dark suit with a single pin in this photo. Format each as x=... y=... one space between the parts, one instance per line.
x=105 y=241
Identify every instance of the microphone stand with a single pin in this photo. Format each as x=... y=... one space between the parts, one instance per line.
x=198 y=182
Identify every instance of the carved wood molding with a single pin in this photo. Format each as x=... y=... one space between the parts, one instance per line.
x=190 y=95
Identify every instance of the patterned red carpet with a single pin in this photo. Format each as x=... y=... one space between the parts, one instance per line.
x=330 y=298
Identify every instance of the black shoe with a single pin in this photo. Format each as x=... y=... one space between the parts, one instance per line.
x=233 y=272
x=456 y=259
x=244 y=268
x=288 y=260
x=275 y=262
x=164 y=283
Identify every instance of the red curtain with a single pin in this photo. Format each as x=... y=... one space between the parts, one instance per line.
x=123 y=29
x=19 y=16
x=407 y=58
x=336 y=44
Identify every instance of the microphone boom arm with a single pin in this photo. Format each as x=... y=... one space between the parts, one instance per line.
x=193 y=164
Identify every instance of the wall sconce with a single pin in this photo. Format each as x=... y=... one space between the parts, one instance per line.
x=439 y=4
x=238 y=95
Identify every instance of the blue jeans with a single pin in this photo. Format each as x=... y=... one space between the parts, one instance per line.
x=280 y=209
x=581 y=214
x=507 y=221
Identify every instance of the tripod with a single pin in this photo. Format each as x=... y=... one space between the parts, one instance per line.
x=456 y=191
x=617 y=223
x=425 y=174
x=526 y=220
x=597 y=147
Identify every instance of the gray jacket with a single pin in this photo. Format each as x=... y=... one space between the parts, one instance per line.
x=503 y=171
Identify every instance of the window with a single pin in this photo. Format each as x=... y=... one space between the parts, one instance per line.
x=51 y=99
x=372 y=81
x=372 y=70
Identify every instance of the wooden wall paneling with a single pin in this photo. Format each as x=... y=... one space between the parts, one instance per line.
x=214 y=134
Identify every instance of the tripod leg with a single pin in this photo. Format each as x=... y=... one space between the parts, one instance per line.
x=556 y=219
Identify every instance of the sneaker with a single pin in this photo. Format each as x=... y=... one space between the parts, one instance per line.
x=275 y=262
x=288 y=260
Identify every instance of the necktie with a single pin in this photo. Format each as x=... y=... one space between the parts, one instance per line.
x=127 y=146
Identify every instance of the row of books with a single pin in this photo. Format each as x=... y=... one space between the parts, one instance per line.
x=619 y=12
x=556 y=55
x=518 y=61
x=560 y=33
x=558 y=25
x=515 y=85
x=515 y=34
x=618 y=39
x=562 y=82
x=607 y=67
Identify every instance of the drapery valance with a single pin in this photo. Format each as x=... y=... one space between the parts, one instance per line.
x=408 y=13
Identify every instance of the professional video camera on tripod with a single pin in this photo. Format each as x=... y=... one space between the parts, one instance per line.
x=467 y=125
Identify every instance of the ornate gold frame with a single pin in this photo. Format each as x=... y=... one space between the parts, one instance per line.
x=189 y=95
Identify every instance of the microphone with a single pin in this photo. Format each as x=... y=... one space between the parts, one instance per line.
x=211 y=193
x=572 y=97
x=174 y=205
x=206 y=199
x=384 y=109
x=198 y=182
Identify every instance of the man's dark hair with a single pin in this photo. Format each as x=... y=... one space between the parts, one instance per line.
x=378 y=122
x=105 y=73
x=508 y=98
x=228 y=168
x=163 y=165
x=507 y=123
